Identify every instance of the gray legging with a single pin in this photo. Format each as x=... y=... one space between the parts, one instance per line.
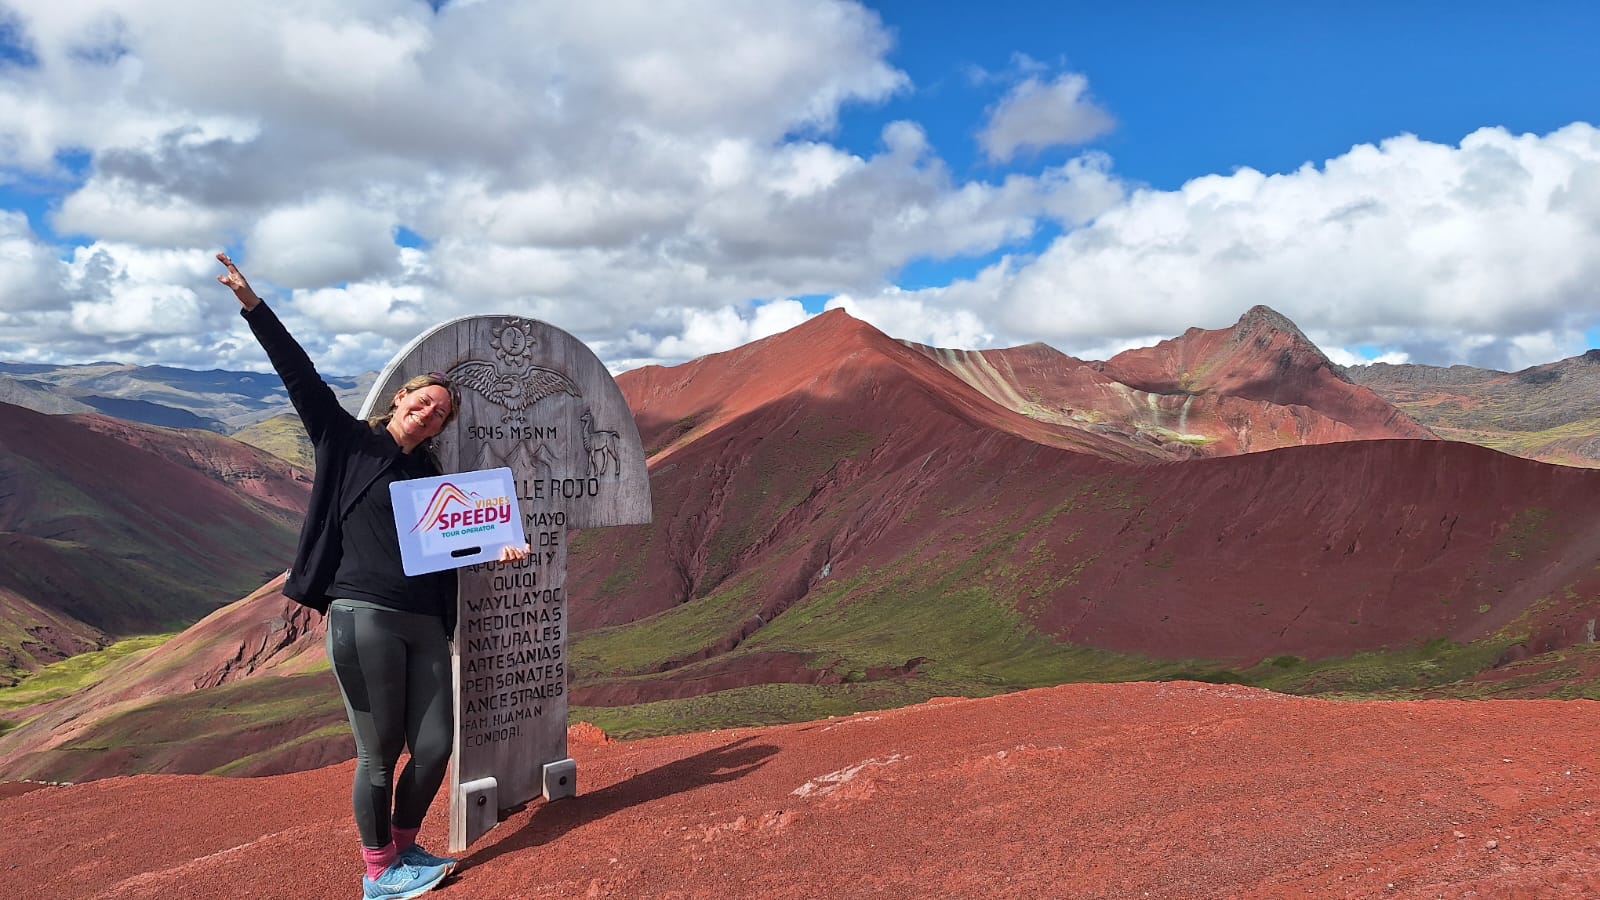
x=394 y=672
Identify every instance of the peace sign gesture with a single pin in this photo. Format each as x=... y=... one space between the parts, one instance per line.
x=234 y=281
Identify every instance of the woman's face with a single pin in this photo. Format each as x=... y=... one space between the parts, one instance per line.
x=420 y=414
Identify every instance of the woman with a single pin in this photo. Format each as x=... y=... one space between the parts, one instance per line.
x=388 y=632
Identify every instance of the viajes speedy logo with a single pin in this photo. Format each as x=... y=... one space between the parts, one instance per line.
x=452 y=512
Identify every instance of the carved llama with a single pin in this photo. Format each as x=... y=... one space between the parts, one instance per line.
x=601 y=447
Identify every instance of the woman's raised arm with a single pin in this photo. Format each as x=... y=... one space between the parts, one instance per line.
x=316 y=403
x=235 y=282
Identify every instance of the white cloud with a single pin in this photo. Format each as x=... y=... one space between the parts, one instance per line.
x=919 y=316
x=1485 y=253
x=655 y=178
x=588 y=165
x=1078 y=191
x=712 y=331
x=1041 y=114
x=1526 y=350
x=398 y=312
x=119 y=209
x=29 y=272
x=125 y=293
x=141 y=311
x=1410 y=246
x=326 y=241
x=1345 y=356
x=354 y=58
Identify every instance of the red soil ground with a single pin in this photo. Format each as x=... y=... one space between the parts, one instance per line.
x=1141 y=790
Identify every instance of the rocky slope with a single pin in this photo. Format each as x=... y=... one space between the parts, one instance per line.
x=263 y=477
x=1543 y=412
x=1259 y=385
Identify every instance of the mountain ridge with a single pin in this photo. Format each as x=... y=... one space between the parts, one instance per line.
x=118 y=529
x=1142 y=414
x=847 y=520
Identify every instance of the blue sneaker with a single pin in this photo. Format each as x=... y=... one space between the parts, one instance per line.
x=414 y=855
x=402 y=881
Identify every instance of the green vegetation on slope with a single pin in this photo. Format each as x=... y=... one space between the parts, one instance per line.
x=761 y=704
x=199 y=730
x=73 y=675
x=1435 y=668
x=69 y=676
x=938 y=628
x=1528 y=444
x=1427 y=665
x=676 y=634
x=956 y=622
x=333 y=731
x=283 y=436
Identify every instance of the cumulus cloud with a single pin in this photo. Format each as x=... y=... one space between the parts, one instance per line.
x=125 y=293
x=1345 y=357
x=592 y=166
x=1485 y=253
x=117 y=209
x=29 y=272
x=660 y=180
x=1391 y=245
x=1039 y=114
x=711 y=331
x=329 y=240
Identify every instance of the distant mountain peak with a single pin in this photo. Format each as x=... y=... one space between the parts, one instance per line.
x=835 y=321
x=1260 y=316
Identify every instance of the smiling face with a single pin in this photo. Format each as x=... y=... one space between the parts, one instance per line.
x=419 y=415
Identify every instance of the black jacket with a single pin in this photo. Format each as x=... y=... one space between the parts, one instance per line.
x=350 y=456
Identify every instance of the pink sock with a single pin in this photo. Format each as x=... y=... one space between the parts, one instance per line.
x=378 y=860
x=404 y=838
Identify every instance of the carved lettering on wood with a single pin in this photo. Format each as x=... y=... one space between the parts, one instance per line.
x=534 y=399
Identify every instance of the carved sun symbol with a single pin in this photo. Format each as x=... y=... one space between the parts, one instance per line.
x=514 y=342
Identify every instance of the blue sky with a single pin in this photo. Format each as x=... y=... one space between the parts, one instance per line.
x=1414 y=181
x=1203 y=88
x=1208 y=88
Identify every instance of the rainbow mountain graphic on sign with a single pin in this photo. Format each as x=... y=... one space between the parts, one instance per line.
x=475 y=510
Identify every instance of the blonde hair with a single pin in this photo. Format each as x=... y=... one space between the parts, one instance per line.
x=431 y=379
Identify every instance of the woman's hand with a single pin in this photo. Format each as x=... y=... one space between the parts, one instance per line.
x=513 y=553
x=235 y=282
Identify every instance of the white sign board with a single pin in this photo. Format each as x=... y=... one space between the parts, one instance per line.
x=450 y=521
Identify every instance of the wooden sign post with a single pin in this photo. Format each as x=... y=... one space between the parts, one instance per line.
x=537 y=400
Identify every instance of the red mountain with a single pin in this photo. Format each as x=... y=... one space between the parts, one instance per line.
x=769 y=406
x=250 y=679
x=262 y=477
x=1259 y=385
x=833 y=358
x=110 y=529
x=843 y=513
